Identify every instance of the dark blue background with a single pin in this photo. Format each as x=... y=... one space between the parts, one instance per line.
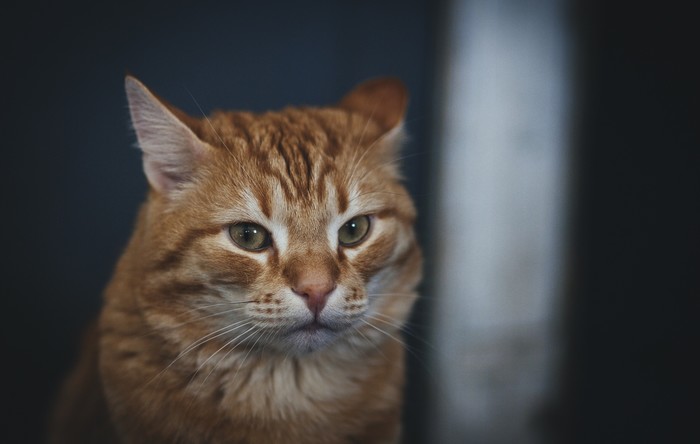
x=73 y=178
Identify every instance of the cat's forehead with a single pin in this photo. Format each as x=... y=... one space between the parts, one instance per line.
x=268 y=196
x=295 y=159
x=315 y=134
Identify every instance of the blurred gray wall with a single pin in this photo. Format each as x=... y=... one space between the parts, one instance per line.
x=502 y=183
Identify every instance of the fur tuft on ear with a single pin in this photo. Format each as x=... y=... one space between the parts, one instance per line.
x=383 y=100
x=171 y=149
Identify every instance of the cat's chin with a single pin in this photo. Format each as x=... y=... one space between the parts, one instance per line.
x=310 y=338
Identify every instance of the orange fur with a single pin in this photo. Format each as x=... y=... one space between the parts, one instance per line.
x=202 y=341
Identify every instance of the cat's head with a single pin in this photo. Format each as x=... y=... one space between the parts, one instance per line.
x=287 y=231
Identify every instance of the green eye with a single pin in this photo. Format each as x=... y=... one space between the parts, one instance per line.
x=353 y=231
x=250 y=236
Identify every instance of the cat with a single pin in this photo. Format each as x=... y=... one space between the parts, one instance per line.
x=262 y=294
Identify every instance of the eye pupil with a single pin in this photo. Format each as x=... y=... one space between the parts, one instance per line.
x=248 y=233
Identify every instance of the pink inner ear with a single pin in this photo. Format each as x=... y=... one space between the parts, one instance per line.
x=383 y=100
x=170 y=147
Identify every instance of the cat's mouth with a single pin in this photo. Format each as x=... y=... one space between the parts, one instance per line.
x=313 y=327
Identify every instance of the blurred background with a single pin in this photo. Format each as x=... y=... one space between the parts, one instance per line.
x=553 y=156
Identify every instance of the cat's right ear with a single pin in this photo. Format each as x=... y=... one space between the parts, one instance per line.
x=171 y=149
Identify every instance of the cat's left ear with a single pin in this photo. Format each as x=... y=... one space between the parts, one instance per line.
x=166 y=135
x=383 y=100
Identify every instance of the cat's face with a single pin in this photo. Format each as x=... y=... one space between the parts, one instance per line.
x=285 y=231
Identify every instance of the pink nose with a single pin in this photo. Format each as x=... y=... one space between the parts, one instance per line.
x=315 y=292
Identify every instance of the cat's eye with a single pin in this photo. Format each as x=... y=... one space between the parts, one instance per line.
x=353 y=231
x=250 y=236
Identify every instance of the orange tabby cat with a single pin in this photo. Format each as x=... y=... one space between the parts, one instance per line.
x=261 y=297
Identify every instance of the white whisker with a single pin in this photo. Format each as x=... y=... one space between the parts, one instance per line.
x=366 y=151
x=359 y=142
x=402 y=328
x=208 y=121
x=405 y=346
x=217 y=351
x=374 y=344
x=228 y=329
x=398 y=159
x=240 y=366
x=191 y=321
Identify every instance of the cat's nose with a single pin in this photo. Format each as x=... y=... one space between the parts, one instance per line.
x=315 y=291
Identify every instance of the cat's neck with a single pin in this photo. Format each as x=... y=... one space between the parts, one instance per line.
x=302 y=383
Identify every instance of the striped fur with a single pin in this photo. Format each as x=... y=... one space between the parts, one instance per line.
x=202 y=341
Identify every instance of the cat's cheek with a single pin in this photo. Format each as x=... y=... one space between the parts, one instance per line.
x=373 y=257
x=220 y=262
x=281 y=310
x=345 y=307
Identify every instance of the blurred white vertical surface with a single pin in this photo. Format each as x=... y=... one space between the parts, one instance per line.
x=499 y=222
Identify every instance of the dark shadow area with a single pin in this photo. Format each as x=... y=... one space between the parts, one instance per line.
x=632 y=321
